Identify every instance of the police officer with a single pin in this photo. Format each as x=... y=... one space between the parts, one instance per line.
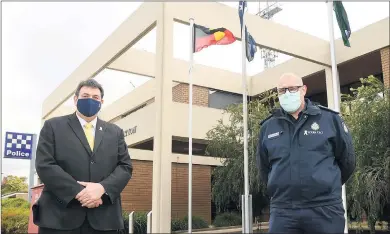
x=304 y=155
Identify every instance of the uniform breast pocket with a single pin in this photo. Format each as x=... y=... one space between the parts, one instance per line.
x=316 y=135
x=277 y=145
x=315 y=140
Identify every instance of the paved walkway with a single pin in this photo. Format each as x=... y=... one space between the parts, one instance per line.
x=232 y=230
x=236 y=229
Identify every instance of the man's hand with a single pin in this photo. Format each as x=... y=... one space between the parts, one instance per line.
x=93 y=204
x=91 y=194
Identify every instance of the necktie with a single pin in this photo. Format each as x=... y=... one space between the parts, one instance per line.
x=88 y=133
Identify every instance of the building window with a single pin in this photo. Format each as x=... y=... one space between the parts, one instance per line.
x=220 y=99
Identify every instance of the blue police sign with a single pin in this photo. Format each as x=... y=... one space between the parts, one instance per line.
x=18 y=145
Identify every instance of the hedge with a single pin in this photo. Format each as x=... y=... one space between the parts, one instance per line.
x=14 y=220
x=227 y=220
x=15 y=217
x=15 y=203
x=182 y=224
x=140 y=223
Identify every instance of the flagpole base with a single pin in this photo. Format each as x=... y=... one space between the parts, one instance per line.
x=247 y=212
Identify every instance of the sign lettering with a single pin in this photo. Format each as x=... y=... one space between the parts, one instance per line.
x=18 y=145
x=130 y=131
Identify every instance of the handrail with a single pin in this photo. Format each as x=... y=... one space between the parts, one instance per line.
x=149 y=223
x=131 y=222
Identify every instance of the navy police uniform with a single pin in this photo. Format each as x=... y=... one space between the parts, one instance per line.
x=304 y=163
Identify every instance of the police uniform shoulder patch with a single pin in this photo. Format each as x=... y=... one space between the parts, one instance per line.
x=345 y=127
x=327 y=109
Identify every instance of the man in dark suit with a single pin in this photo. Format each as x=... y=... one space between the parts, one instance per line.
x=84 y=164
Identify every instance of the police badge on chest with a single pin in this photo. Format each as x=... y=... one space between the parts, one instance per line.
x=315 y=129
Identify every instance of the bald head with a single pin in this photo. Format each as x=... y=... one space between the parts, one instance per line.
x=289 y=80
x=291 y=92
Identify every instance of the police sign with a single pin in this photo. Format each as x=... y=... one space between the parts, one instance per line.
x=18 y=145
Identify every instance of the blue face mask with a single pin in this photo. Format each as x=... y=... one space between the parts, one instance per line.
x=88 y=106
x=290 y=102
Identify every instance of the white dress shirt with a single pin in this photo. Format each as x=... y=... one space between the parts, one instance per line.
x=83 y=123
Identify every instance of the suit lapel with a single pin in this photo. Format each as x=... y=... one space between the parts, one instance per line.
x=99 y=132
x=78 y=130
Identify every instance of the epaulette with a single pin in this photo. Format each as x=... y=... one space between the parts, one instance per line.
x=327 y=109
x=263 y=121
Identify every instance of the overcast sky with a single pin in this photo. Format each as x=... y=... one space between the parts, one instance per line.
x=42 y=43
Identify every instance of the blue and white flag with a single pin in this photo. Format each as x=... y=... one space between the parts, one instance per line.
x=18 y=145
x=251 y=47
x=250 y=44
x=241 y=11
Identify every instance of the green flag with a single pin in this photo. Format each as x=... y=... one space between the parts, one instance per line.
x=342 y=21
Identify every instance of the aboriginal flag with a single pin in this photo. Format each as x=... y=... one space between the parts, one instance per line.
x=205 y=37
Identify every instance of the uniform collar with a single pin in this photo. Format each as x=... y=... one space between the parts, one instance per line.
x=310 y=108
x=83 y=122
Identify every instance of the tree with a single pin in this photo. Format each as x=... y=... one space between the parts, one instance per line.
x=14 y=184
x=226 y=141
x=367 y=114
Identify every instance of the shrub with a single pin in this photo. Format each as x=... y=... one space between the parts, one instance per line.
x=14 y=220
x=140 y=222
x=178 y=225
x=367 y=115
x=227 y=219
x=182 y=224
x=15 y=203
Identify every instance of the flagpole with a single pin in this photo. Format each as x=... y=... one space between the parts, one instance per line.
x=245 y=123
x=190 y=127
x=32 y=167
x=336 y=90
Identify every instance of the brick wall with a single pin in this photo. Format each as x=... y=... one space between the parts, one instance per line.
x=201 y=191
x=386 y=66
x=137 y=195
x=200 y=95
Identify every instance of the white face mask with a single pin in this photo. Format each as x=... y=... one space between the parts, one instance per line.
x=290 y=102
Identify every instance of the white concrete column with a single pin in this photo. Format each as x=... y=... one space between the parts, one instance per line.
x=329 y=87
x=162 y=163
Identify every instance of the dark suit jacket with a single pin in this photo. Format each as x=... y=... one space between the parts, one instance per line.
x=64 y=157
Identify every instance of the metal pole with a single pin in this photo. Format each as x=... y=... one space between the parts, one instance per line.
x=149 y=222
x=250 y=215
x=336 y=90
x=32 y=167
x=243 y=213
x=190 y=127
x=131 y=222
x=245 y=120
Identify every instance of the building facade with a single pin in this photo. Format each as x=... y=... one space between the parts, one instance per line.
x=154 y=116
